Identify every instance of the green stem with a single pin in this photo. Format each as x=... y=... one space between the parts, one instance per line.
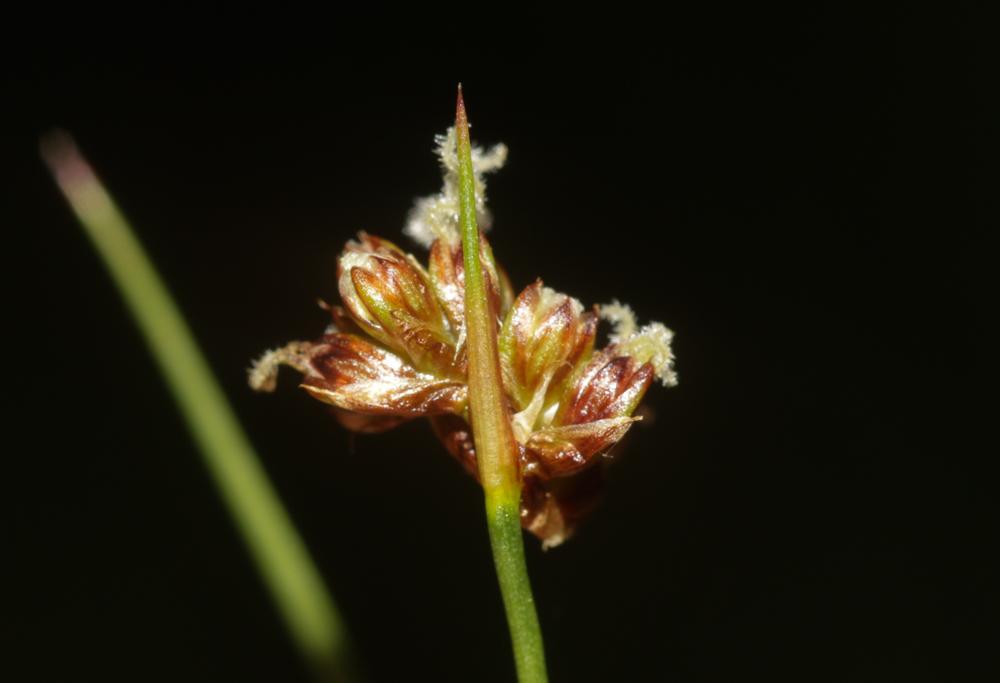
x=280 y=555
x=496 y=450
x=507 y=542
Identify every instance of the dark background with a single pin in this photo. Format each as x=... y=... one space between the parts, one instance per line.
x=800 y=198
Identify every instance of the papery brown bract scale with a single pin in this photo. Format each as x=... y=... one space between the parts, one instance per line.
x=552 y=511
x=456 y=436
x=366 y=424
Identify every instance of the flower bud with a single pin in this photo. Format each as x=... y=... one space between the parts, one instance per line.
x=545 y=335
x=593 y=414
x=389 y=295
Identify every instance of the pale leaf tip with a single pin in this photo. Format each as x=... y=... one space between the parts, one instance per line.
x=60 y=153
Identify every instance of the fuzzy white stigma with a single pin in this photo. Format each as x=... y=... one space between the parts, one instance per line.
x=263 y=373
x=648 y=344
x=436 y=217
x=622 y=320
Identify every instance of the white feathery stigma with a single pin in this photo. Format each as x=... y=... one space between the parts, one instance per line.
x=263 y=373
x=622 y=320
x=436 y=217
x=648 y=344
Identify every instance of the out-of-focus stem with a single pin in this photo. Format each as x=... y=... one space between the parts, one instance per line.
x=279 y=553
x=496 y=450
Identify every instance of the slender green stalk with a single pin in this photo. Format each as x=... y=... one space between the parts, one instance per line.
x=279 y=553
x=496 y=450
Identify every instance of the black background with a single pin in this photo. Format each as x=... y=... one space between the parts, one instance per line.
x=800 y=198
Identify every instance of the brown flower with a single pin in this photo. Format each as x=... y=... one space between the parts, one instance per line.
x=396 y=351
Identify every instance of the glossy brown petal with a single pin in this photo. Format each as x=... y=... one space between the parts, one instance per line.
x=562 y=451
x=351 y=373
x=609 y=386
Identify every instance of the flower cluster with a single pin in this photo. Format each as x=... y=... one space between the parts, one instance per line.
x=396 y=351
